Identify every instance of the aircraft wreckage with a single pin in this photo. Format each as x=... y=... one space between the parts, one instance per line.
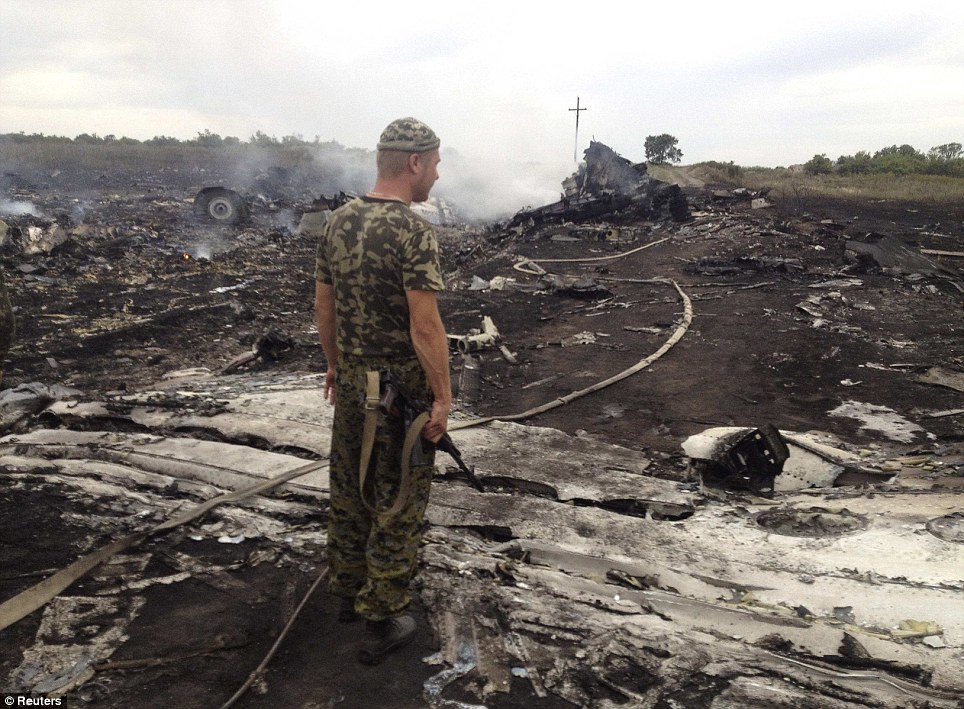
x=573 y=570
x=608 y=184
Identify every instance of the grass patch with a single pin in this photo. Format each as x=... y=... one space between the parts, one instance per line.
x=794 y=186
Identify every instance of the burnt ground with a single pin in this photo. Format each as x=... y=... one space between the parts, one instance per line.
x=141 y=289
x=127 y=302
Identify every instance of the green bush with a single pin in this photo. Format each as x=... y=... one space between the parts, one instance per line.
x=819 y=165
x=731 y=170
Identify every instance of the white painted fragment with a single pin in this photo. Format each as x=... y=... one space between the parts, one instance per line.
x=881 y=419
x=225 y=539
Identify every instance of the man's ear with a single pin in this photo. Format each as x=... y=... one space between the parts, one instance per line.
x=414 y=163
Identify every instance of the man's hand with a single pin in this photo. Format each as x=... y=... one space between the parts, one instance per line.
x=329 y=391
x=438 y=422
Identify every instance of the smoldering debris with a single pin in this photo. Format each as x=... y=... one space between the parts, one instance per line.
x=608 y=186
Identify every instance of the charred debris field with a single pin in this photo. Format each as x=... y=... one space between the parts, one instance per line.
x=762 y=509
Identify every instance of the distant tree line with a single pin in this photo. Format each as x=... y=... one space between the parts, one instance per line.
x=947 y=159
x=204 y=139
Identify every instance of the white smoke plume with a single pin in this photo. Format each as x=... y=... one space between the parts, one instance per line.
x=19 y=208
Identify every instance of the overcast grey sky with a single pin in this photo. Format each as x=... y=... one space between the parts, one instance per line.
x=757 y=83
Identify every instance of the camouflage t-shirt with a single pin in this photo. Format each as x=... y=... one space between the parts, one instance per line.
x=371 y=252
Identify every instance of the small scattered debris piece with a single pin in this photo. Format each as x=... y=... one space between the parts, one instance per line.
x=838 y=283
x=478 y=284
x=942 y=414
x=756 y=198
x=476 y=340
x=539 y=382
x=268 y=348
x=879 y=418
x=907 y=629
x=845 y=614
x=851 y=647
x=651 y=330
x=584 y=287
x=227 y=539
x=612 y=411
x=28 y=399
x=580 y=338
x=940 y=376
x=238 y=286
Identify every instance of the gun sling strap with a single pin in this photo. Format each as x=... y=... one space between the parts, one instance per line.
x=412 y=438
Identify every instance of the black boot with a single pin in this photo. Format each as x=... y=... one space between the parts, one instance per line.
x=347 y=612
x=383 y=636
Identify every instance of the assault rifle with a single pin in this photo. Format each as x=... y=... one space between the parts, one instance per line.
x=397 y=400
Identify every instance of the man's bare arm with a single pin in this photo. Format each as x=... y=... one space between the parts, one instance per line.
x=432 y=349
x=325 y=319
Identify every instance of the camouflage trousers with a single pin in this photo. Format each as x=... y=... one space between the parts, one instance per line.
x=372 y=557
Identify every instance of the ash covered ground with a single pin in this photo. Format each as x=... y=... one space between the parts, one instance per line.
x=832 y=316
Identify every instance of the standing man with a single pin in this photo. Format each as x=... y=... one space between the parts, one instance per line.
x=376 y=279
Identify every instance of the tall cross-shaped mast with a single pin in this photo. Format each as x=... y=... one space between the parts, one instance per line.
x=575 y=149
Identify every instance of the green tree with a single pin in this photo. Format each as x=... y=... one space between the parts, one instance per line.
x=857 y=164
x=948 y=151
x=819 y=165
x=905 y=150
x=207 y=139
x=899 y=160
x=162 y=140
x=661 y=149
x=262 y=138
